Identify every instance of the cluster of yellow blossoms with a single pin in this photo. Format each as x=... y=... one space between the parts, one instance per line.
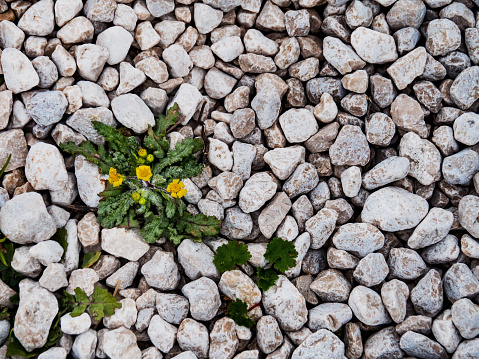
x=176 y=188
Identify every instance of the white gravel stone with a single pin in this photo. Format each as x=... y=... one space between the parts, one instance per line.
x=47 y=252
x=124 y=243
x=132 y=112
x=368 y=307
x=118 y=41
x=18 y=71
x=204 y=298
x=394 y=209
x=75 y=325
x=24 y=219
x=121 y=343
x=36 y=311
x=197 y=260
x=284 y=302
x=45 y=168
x=374 y=47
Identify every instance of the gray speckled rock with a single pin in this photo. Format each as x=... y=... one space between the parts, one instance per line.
x=47 y=108
x=394 y=209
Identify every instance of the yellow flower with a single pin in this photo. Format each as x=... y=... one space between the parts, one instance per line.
x=143 y=173
x=142 y=152
x=176 y=189
x=114 y=178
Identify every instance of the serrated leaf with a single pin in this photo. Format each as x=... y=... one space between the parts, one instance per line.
x=231 y=254
x=238 y=311
x=78 y=310
x=281 y=254
x=88 y=150
x=90 y=259
x=170 y=209
x=163 y=122
x=80 y=296
x=266 y=278
x=199 y=225
x=103 y=303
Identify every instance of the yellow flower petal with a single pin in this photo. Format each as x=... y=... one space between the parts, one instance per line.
x=181 y=184
x=182 y=192
x=143 y=173
x=175 y=181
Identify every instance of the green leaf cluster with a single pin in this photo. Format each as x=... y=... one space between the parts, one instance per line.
x=281 y=255
x=159 y=214
x=102 y=303
x=230 y=255
x=238 y=311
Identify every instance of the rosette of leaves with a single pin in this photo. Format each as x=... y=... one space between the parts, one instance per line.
x=281 y=255
x=160 y=215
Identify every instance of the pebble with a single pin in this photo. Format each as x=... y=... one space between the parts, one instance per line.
x=331 y=316
x=372 y=46
x=193 y=336
x=36 y=311
x=320 y=343
x=367 y=306
x=394 y=209
x=285 y=295
x=460 y=282
x=120 y=343
x=371 y=270
x=341 y=56
x=415 y=344
x=350 y=148
x=445 y=332
x=19 y=73
x=427 y=295
x=24 y=219
x=204 y=298
x=394 y=295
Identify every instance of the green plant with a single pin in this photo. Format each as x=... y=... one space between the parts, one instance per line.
x=145 y=187
x=281 y=254
x=238 y=311
x=230 y=255
x=90 y=259
x=102 y=303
